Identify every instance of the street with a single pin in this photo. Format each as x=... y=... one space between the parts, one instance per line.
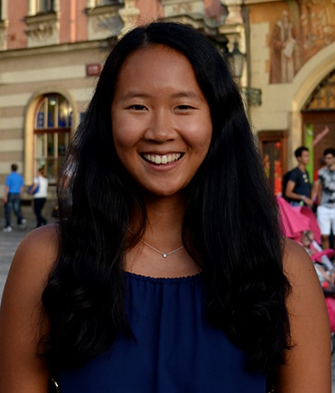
x=8 y=244
x=10 y=241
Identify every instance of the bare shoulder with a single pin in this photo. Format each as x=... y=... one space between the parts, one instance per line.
x=21 y=318
x=307 y=367
x=41 y=243
x=34 y=257
x=296 y=261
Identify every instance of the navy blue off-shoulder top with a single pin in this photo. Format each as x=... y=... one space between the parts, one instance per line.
x=175 y=350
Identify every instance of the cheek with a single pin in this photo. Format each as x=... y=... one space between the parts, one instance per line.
x=122 y=140
x=125 y=134
x=199 y=135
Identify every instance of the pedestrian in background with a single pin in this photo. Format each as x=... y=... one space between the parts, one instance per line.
x=298 y=188
x=167 y=272
x=40 y=193
x=325 y=187
x=315 y=194
x=12 y=199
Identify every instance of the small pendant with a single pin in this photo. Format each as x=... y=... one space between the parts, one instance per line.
x=164 y=255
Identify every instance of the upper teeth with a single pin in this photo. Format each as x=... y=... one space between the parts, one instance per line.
x=157 y=159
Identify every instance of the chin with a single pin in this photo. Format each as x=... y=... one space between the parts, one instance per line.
x=164 y=192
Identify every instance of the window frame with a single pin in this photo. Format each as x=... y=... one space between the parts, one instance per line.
x=52 y=161
x=50 y=6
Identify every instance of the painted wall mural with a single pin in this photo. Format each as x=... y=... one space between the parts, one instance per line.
x=285 y=51
x=298 y=30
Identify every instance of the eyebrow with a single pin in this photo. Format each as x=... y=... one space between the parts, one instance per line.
x=183 y=94
x=134 y=94
x=187 y=94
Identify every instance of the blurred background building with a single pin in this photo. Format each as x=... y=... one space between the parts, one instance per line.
x=52 y=51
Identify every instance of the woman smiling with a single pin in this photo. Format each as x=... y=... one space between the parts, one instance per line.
x=167 y=271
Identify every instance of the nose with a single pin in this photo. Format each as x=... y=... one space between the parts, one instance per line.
x=161 y=127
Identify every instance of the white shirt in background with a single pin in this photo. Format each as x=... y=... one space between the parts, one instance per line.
x=43 y=187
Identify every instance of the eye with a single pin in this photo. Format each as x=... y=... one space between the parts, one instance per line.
x=137 y=107
x=184 y=107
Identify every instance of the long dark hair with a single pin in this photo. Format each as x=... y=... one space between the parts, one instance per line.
x=230 y=226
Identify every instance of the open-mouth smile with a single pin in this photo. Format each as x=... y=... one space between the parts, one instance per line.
x=160 y=159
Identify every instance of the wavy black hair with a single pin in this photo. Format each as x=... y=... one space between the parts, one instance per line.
x=230 y=226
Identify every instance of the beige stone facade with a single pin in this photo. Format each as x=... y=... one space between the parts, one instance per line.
x=291 y=59
x=44 y=56
x=27 y=76
x=48 y=50
x=50 y=53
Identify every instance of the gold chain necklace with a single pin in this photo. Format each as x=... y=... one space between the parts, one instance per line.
x=163 y=254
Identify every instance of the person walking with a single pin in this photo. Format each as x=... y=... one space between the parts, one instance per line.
x=298 y=188
x=325 y=191
x=12 y=199
x=40 y=192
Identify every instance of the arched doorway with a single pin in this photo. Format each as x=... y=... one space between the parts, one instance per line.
x=52 y=128
x=318 y=116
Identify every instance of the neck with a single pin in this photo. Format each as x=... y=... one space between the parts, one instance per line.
x=164 y=222
x=167 y=211
x=163 y=231
x=302 y=167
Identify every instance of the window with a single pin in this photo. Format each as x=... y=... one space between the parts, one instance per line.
x=45 y=5
x=323 y=96
x=53 y=123
x=107 y=2
x=273 y=147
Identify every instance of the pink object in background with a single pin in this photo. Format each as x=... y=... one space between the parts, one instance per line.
x=293 y=222
x=317 y=256
x=313 y=224
x=330 y=301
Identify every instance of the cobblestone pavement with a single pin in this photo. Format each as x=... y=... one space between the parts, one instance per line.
x=8 y=244
x=10 y=241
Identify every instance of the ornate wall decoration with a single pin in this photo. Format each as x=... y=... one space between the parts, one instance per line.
x=43 y=29
x=129 y=15
x=173 y=7
x=234 y=11
x=298 y=30
x=109 y=24
x=104 y=21
x=323 y=97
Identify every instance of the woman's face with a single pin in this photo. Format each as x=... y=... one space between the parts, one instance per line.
x=161 y=120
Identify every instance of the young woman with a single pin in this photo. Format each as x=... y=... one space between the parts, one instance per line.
x=167 y=271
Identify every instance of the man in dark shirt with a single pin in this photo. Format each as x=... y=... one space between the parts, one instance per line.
x=298 y=188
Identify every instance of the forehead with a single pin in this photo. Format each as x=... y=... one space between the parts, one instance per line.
x=159 y=73
x=329 y=156
x=155 y=61
x=151 y=52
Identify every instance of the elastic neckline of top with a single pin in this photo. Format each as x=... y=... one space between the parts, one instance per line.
x=167 y=280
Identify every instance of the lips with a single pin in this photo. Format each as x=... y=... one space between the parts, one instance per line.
x=162 y=159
